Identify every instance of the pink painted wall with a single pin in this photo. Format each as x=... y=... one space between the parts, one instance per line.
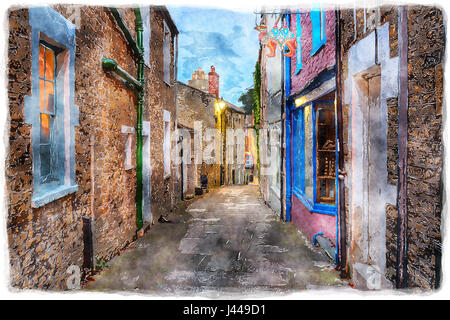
x=312 y=65
x=310 y=224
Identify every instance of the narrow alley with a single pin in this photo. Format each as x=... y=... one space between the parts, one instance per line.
x=178 y=150
x=226 y=242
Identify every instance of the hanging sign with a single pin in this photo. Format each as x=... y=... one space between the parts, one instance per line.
x=277 y=36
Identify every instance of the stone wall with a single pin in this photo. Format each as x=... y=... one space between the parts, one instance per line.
x=159 y=97
x=425 y=52
x=45 y=241
x=366 y=23
x=426 y=44
x=196 y=105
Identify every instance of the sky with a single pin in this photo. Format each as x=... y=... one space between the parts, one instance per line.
x=219 y=37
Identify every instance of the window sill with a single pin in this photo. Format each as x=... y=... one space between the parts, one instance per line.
x=315 y=207
x=52 y=195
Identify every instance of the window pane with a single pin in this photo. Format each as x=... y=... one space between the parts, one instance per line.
x=50 y=96
x=309 y=177
x=326 y=153
x=297 y=150
x=42 y=95
x=41 y=61
x=45 y=128
x=49 y=64
x=45 y=161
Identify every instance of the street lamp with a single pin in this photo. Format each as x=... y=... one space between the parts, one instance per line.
x=220 y=105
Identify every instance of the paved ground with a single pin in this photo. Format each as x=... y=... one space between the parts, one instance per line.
x=225 y=243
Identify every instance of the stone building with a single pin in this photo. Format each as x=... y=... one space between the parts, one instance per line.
x=196 y=112
x=392 y=84
x=199 y=105
x=363 y=137
x=271 y=122
x=71 y=169
x=310 y=139
x=199 y=80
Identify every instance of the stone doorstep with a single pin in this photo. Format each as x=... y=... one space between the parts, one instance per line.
x=368 y=277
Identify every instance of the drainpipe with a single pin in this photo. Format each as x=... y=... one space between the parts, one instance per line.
x=283 y=143
x=122 y=25
x=110 y=65
x=341 y=232
x=402 y=244
x=140 y=96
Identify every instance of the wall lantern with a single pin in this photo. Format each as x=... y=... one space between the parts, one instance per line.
x=220 y=105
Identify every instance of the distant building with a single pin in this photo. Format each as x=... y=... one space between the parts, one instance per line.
x=199 y=80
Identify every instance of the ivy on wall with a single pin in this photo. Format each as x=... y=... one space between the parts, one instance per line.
x=257 y=108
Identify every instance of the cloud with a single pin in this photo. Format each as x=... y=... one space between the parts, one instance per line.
x=222 y=38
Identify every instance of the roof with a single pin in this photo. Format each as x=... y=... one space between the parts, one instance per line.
x=165 y=12
x=234 y=108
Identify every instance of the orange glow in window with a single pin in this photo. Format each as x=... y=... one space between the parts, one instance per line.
x=49 y=64
x=45 y=125
x=41 y=61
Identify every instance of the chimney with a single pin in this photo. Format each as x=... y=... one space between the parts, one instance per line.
x=213 y=82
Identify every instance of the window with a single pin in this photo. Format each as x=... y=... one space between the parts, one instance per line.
x=166 y=53
x=47 y=67
x=50 y=109
x=275 y=154
x=314 y=156
x=299 y=43
x=318 y=28
x=166 y=143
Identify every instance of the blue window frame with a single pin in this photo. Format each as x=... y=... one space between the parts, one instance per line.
x=318 y=28
x=314 y=156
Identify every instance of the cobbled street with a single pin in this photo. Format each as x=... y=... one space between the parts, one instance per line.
x=226 y=242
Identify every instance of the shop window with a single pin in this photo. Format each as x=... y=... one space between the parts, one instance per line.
x=314 y=156
x=318 y=28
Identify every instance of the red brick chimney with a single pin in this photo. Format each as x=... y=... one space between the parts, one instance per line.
x=213 y=82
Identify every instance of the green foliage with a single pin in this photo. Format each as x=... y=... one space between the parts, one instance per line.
x=247 y=99
x=257 y=107
x=100 y=264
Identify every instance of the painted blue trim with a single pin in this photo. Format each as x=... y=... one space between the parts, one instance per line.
x=298 y=185
x=288 y=124
x=317 y=16
x=336 y=253
x=315 y=207
x=314 y=151
x=299 y=44
x=314 y=237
